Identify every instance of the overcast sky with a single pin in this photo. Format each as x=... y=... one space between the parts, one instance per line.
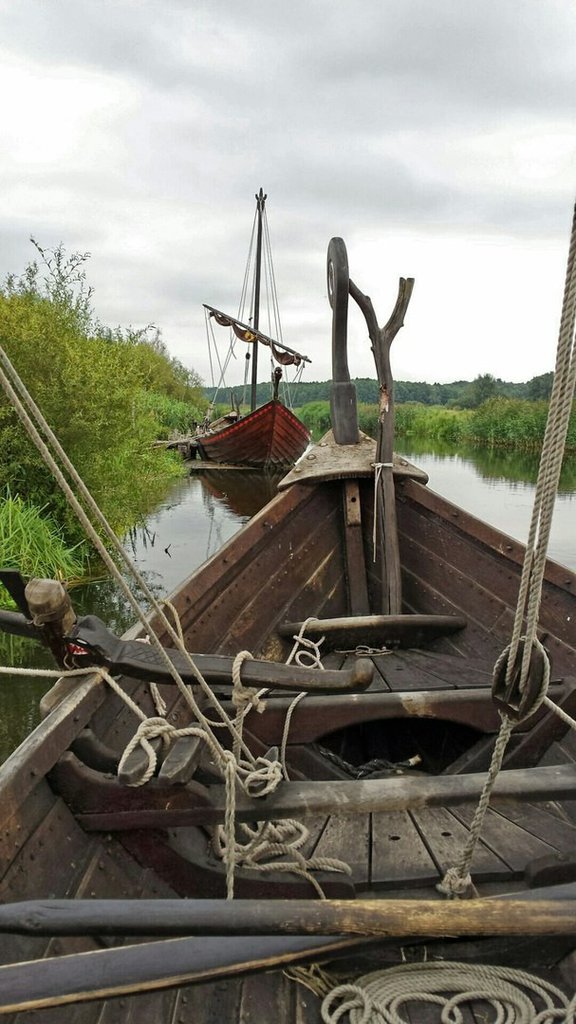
x=437 y=137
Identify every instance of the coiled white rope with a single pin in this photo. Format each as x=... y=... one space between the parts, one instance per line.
x=514 y=996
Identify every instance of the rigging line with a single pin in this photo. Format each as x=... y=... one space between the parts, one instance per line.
x=229 y=354
x=550 y=465
x=273 y=288
x=10 y=372
x=248 y=268
x=209 y=335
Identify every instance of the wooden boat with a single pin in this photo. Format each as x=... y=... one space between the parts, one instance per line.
x=112 y=893
x=270 y=435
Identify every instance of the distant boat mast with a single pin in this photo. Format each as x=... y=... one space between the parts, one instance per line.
x=260 y=201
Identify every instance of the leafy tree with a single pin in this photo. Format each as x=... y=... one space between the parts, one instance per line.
x=540 y=387
x=480 y=390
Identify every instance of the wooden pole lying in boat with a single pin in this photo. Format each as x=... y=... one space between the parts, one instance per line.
x=149 y=966
x=98 y=974
x=395 y=918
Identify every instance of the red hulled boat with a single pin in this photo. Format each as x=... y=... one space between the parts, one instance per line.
x=271 y=435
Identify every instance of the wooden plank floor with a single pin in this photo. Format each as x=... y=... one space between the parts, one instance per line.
x=413 y=849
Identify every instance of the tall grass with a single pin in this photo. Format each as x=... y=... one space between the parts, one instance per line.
x=31 y=541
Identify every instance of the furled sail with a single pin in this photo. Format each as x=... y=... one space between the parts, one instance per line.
x=281 y=353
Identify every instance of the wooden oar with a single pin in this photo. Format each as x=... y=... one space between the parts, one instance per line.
x=125 y=970
x=394 y=918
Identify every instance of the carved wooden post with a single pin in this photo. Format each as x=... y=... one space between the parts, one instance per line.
x=342 y=392
x=385 y=504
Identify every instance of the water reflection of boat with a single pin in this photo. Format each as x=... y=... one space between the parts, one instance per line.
x=244 y=492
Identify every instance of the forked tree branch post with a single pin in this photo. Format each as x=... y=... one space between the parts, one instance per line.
x=385 y=506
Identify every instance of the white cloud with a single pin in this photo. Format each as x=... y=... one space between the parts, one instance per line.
x=436 y=138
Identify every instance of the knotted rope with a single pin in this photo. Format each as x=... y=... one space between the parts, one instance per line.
x=515 y=997
x=273 y=845
x=306 y=652
x=378 y=468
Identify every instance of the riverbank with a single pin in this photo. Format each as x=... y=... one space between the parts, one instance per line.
x=497 y=423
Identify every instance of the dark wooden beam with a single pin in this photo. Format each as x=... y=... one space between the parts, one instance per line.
x=126 y=970
x=101 y=803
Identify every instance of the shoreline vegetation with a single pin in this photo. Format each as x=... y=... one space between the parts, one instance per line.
x=484 y=411
x=499 y=422
x=108 y=395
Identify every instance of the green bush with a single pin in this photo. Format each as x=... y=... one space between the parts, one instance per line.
x=315 y=416
x=107 y=395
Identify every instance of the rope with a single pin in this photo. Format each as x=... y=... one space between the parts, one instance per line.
x=265 y=848
x=269 y=843
x=27 y=418
x=306 y=652
x=286 y=731
x=533 y=569
x=515 y=996
x=378 y=467
x=571 y=722
x=457 y=880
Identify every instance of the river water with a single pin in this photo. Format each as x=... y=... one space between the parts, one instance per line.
x=202 y=511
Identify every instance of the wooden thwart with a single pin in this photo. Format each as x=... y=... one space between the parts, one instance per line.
x=377 y=630
x=101 y=803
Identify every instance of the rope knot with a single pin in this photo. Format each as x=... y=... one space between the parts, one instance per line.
x=263 y=777
x=457 y=886
x=149 y=729
x=244 y=697
x=306 y=652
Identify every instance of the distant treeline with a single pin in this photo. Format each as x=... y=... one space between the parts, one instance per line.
x=459 y=394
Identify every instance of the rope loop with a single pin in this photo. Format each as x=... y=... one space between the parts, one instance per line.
x=306 y=652
x=244 y=697
x=521 y=677
x=150 y=728
x=262 y=778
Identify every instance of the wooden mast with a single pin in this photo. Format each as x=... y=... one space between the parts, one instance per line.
x=260 y=201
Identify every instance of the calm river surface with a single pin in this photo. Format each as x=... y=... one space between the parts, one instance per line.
x=201 y=512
